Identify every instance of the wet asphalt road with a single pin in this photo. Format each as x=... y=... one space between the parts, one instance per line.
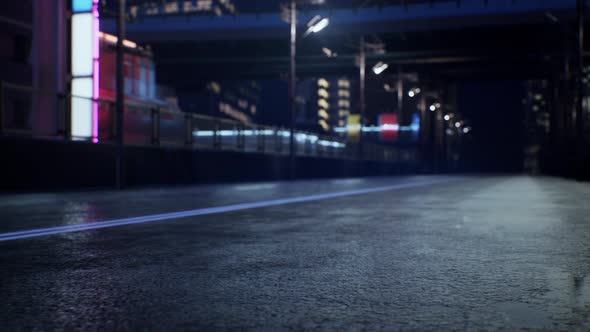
x=476 y=253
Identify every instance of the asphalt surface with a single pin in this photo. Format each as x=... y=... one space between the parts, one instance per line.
x=465 y=253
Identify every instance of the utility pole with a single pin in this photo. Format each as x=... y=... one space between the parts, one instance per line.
x=580 y=85
x=292 y=85
x=400 y=94
x=120 y=94
x=362 y=67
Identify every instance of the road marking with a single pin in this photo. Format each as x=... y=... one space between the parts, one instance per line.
x=204 y=211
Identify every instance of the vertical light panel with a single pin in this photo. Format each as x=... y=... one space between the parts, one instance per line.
x=85 y=62
x=82 y=42
x=82 y=107
x=82 y=87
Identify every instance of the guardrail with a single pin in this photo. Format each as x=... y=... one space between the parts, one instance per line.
x=155 y=126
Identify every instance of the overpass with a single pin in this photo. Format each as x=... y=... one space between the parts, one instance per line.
x=426 y=15
x=505 y=38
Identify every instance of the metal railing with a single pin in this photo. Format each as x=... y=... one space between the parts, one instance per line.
x=158 y=126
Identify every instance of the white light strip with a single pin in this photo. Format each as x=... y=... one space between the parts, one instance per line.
x=82 y=55
x=300 y=137
x=84 y=84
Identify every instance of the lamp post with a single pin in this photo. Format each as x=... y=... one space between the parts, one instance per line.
x=580 y=126
x=292 y=83
x=315 y=25
x=362 y=69
x=120 y=94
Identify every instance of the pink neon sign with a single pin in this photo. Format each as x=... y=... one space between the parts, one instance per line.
x=95 y=76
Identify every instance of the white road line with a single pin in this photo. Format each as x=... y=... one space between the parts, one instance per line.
x=203 y=211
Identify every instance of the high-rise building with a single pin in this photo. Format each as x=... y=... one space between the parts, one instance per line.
x=333 y=105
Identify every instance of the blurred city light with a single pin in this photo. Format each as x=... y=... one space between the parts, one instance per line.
x=380 y=67
x=328 y=52
x=317 y=24
x=414 y=92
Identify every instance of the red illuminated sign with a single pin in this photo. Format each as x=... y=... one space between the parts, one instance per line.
x=389 y=126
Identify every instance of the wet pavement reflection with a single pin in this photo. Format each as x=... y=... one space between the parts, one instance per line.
x=477 y=253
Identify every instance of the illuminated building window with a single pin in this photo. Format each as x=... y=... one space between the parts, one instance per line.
x=171 y=8
x=323 y=104
x=343 y=83
x=344 y=93
x=324 y=124
x=343 y=113
x=203 y=4
x=344 y=103
x=323 y=114
x=322 y=82
x=113 y=40
x=232 y=112
x=323 y=93
x=215 y=87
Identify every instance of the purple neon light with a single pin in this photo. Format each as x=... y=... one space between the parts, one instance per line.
x=96 y=68
x=208 y=211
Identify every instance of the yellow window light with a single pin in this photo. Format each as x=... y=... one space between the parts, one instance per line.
x=322 y=82
x=323 y=93
x=324 y=125
x=323 y=114
x=343 y=83
x=323 y=104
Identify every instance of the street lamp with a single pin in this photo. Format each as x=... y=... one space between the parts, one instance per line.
x=414 y=92
x=315 y=25
x=380 y=67
x=328 y=52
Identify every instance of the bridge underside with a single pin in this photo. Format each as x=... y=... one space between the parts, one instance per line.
x=447 y=40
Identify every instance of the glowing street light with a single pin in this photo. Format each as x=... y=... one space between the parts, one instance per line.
x=432 y=108
x=316 y=24
x=414 y=92
x=447 y=117
x=457 y=124
x=328 y=52
x=380 y=67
